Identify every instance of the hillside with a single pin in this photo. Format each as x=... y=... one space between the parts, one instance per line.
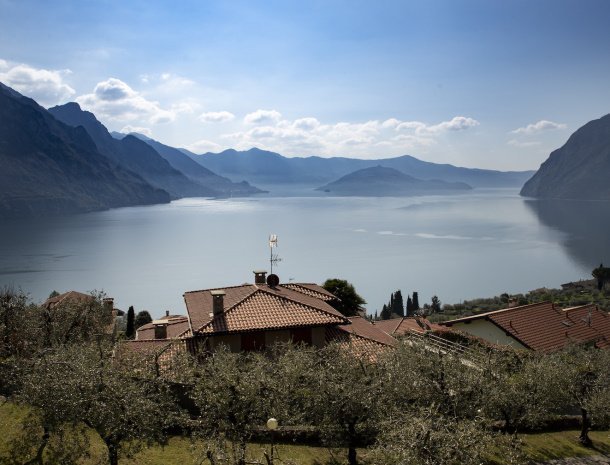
x=579 y=170
x=196 y=172
x=51 y=168
x=133 y=154
x=379 y=181
x=264 y=167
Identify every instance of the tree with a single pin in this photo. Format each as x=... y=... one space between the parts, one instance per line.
x=398 y=307
x=126 y=405
x=142 y=318
x=348 y=301
x=385 y=314
x=130 y=330
x=415 y=302
x=602 y=274
x=409 y=310
x=435 y=307
x=585 y=376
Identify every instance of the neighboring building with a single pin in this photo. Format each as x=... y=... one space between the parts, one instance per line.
x=400 y=326
x=75 y=298
x=540 y=327
x=361 y=337
x=167 y=327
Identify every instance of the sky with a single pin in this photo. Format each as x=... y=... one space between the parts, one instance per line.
x=477 y=83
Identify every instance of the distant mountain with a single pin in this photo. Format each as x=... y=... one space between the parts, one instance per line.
x=579 y=170
x=52 y=168
x=195 y=171
x=263 y=167
x=380 y=181
x=133 y=154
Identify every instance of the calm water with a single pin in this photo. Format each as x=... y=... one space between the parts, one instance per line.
x=479 y=244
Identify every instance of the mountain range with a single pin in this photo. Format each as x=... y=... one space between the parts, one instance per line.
x=579 y=170
x=380 y=181
x=49 y=167
x=266 y=168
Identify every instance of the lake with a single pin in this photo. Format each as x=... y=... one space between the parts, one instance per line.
x=478 y=244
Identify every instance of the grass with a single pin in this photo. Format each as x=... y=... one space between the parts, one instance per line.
x=538 y=447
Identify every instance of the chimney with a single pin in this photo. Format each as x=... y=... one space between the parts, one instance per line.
x=166 y=313
x=513 y=302
x=218 y=301
x=108 y=303
x=260 y=277
x=160 y=329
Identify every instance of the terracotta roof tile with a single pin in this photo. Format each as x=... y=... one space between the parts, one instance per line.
x=360 y=338
x=401 y=326
x=176 y=327
x=67 y=296
x=257 y=307
x=265 y=310
x=363 y=328
x=544 y=327
x=311 y=289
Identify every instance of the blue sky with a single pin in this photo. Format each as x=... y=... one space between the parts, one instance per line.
x=493 y=84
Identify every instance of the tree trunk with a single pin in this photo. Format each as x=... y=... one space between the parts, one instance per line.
x=113 y=452
x=584 y=438
x=351 y=447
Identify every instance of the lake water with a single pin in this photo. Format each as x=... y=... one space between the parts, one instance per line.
x=457 y=247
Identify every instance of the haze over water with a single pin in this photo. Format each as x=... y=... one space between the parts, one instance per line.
x=461 y=247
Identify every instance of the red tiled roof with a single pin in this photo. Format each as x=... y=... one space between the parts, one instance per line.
x=311 y=289
x=401 y=326
x=176 y=327
x=67 y=296
x=544 y=327
x=363 y=328
x=253 y=307
x=361 y=338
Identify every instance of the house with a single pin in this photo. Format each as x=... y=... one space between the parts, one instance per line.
x=256 y=316
x=167 y=327
x=400 y=326
x=541 y=326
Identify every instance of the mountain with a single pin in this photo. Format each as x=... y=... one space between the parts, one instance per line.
x=380 y=181
x=196 y=172
x=133 y=154
x=263 y=167
x=51 y=168
x=579 y=170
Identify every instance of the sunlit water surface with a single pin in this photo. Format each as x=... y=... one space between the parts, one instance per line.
x=457 y=247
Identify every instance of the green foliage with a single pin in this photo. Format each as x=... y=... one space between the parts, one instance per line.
x=142 y=318
x=349 y=303
x=602 y=274
x=130 y=331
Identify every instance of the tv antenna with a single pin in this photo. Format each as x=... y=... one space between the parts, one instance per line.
x=273 y=258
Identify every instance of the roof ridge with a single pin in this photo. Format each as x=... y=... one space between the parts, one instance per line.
x=221 y=287
x=501 y=310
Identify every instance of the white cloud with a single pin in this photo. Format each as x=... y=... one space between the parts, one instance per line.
x=523 y=144
x=306 y=123
x=457 y=123
x=140 y=130
x=539 y=126
x=45 y=86
x=116 y=100
x=216 y=117
x=202 y=146
x=263 y=117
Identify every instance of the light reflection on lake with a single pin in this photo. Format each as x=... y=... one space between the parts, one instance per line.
x=480 y=244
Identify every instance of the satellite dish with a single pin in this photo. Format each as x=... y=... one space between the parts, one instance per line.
x=273 y=280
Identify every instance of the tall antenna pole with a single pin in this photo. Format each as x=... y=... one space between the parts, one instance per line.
x=272 y=244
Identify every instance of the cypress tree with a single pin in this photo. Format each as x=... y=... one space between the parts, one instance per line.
x=415 y=302
x=131 y=316
x=386 y=313
x=409 y=306
x=398 y=304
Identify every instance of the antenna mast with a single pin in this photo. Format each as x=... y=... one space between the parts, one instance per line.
x=273 y=258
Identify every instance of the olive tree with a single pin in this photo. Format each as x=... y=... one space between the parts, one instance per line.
x=85 y=384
